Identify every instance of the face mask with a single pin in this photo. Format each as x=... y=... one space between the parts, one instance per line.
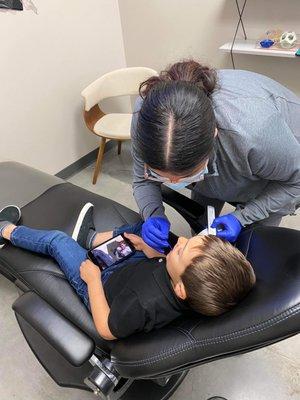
x=197 y=177
x=182 y=184
x=177 y=186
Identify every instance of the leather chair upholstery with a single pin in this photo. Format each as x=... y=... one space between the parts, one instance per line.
x=271 y=312
x=58 y=208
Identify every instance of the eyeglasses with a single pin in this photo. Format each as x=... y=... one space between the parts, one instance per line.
x=153 y=176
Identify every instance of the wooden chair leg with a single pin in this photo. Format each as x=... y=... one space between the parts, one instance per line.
x=99 y=160
x=119 y=146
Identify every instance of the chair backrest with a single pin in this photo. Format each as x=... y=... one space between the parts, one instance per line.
x=120 y=82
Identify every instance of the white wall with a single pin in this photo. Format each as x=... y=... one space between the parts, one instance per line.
x=46 y=60
x=159 y=32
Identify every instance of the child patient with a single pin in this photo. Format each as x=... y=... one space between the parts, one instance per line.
x=148 y=290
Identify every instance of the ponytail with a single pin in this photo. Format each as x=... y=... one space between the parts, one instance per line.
x=201 y=76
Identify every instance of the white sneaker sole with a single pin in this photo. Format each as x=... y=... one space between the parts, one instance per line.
x=80 y=218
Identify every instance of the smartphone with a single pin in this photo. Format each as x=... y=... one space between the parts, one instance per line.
x=111 y=252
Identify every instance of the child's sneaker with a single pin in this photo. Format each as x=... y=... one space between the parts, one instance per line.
x=84 y=228
x=8 y=215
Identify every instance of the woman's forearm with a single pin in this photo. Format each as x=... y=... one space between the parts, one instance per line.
x=100 y=309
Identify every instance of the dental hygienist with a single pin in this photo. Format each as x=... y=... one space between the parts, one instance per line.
x=233 y=134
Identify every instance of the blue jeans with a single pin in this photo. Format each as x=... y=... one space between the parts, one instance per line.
x=67 y=252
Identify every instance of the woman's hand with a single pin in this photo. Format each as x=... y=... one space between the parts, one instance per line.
x=228 y=227
x=140 y=245
x=89 y=272
x=155 y=232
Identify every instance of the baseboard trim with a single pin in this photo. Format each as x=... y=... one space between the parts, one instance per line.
x=83 y=162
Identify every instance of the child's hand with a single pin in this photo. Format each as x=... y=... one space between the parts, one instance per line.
x=136 y=241
x=139 y=244
x=89 y=272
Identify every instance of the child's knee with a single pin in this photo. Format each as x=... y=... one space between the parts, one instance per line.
x=57 y=237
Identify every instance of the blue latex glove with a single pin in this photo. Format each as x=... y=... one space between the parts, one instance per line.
x=155 y=232
x=228 y=227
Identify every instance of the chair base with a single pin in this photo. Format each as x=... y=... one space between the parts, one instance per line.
x=151 y=390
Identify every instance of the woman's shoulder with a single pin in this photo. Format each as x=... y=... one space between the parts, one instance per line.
x=137 y=104
x=240 y=106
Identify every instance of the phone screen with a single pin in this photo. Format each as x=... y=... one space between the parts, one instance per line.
x=111 y=252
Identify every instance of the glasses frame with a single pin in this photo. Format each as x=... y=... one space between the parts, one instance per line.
x=153 y=176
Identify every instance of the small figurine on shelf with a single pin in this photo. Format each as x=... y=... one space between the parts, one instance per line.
x=266 y=43
x=288 y=40
x=271 y=37
x=274 y=34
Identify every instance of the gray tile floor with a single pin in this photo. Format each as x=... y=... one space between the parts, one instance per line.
x=272 y=373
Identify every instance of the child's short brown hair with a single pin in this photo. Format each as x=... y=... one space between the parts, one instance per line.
x=218 y=278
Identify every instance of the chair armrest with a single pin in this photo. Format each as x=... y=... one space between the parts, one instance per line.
x=74 y=345
x=189 y=209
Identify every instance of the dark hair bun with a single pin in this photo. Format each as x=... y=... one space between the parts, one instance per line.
x=200 y=75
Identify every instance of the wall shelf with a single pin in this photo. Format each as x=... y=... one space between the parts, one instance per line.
x=249 y=46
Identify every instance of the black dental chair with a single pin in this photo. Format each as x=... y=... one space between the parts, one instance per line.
x=60 y=331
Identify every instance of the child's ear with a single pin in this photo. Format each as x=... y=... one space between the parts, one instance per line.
x=180 y=290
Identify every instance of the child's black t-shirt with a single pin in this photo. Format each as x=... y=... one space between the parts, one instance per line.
x=141 y=298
